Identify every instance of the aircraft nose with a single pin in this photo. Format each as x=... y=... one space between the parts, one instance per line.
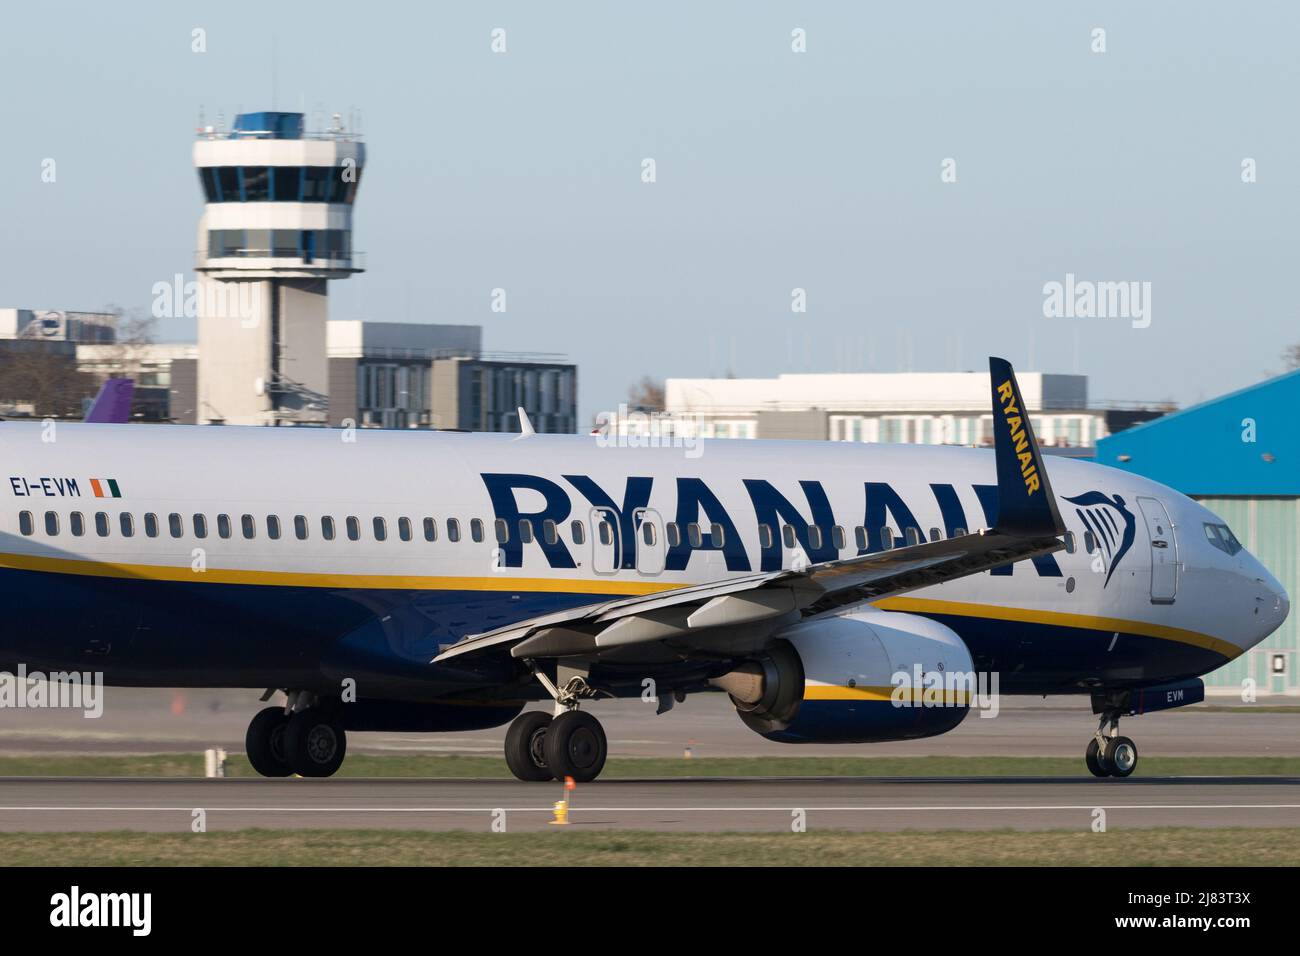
x=1273 y=602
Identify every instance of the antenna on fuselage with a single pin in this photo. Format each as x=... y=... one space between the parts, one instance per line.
x=526 y=429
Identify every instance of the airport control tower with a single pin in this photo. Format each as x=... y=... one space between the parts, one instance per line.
x=276 y=227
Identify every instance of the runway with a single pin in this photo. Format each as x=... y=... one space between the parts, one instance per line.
x=144 y=721
x=889 y=804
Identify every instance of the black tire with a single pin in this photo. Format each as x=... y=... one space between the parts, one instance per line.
x=575 y=746
x=1093 y=758
x=526 y=746
x=314 y=743
x=264 y=743
x=1121 y=756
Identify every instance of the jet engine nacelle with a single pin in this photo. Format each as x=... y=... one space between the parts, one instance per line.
x=839 y=679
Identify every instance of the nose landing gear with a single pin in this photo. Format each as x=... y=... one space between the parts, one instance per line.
x=1109 y=754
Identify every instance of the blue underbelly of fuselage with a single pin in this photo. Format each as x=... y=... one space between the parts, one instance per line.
x=141 y=632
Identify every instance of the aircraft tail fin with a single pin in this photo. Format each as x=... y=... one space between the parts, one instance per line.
x=113 y=403
x=1026 y=505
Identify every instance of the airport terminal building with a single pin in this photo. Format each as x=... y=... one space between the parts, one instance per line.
x=1239 y=455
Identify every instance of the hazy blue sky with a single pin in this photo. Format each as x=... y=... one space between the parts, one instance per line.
x=775 y=170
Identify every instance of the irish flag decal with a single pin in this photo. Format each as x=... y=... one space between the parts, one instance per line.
x=105 y=488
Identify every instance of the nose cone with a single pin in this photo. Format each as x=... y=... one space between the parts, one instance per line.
x=1271 y=602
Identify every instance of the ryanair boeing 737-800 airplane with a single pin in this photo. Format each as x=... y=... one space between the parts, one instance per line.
x=417 y=581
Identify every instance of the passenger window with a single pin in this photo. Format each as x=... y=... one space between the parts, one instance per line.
x=1089 y=542
x=453 y=529
x=101 y=524
x=174 y=525
x=223 y=526
x=648 y=532
x=913 y=536
x=860 y=537
x=327 y=528
x=200 y=525
x=765 y=536
x=300 y=527
x=404 y=529
x=127 y=523
x=525 y=531
x=693 y=534
x=25 y=523
x=273 y=527
x=606 y=533
x=837 y=538
x=579 y=532
x=716 y=537
x=354 y=528
x=248 y=526
x=151 y=524
x=430 y=530
x=935 y=535
x=886 y=538
x=814 y=536
x=381 y=529
x=787 y=535
x=51 y=523
x=959 y=532
x=674 y=534
x=1069 y=542
x=502 y=530
x=476 y=529
x=77 y=524
x=550 y=532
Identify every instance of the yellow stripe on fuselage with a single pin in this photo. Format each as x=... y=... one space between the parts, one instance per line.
x=919 y=605
x=312 y=579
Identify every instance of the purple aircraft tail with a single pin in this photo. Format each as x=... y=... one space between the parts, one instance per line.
x=113 y=403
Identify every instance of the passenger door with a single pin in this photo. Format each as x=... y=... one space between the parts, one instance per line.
x=651 y=549
x=1164 y=551
x=605 y=545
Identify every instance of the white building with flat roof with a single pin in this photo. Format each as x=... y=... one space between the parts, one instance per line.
x=937 y=408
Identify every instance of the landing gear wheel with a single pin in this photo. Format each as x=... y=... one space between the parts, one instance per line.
x=314 y=743
x=575 y=746
x=526 y=746
x=264 y=743
x=1093 y=758
x=1121 y=756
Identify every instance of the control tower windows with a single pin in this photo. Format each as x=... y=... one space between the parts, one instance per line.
x=208 y=178
x=316 y=184
x=257 y=186
x=284 y=244
x=308 y=245
x=228 y=183
x=280 y=183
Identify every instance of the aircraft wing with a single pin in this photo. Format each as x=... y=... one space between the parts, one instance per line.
x=1028 y=525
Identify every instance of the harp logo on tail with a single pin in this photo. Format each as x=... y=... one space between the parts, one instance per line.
x=1111 y=523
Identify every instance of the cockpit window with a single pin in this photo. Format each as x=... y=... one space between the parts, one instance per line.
x=1221 y=536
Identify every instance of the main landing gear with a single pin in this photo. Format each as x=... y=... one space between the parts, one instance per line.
x=1108 y=753
x=571 y=743
x=301 y=738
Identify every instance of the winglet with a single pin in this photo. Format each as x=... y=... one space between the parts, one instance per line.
x=525 y=426
x=1026 y=505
